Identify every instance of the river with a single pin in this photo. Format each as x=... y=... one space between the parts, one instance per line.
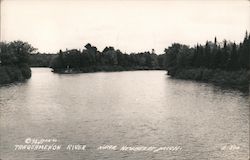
x=123 y=109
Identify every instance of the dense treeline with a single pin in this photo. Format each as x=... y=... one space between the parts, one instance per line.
x=41 y=59
x=14 y=58
x=204 y=62
x=91 y=60
x=223 y=62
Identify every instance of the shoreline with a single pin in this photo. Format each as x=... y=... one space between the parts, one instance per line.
x=13 y=73
x=227 y=79
x=102 y=69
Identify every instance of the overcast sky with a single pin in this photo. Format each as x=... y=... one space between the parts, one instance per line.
x=131 y=26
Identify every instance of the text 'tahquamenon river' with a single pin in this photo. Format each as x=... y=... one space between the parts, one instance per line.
x=135 y=115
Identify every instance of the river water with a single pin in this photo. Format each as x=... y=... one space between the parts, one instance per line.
x=134 y=108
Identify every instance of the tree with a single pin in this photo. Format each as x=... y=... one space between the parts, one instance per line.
x=16 y=52
x=234 y=59
x=244 y=53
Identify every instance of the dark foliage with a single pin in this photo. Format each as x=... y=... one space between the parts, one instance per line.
x=91 y=60
x=40 y=60
x=14 y=57
x=226 y=58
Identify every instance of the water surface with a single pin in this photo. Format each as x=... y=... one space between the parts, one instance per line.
x=135 y=108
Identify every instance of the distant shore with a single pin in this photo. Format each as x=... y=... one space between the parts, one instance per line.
x=102 y=69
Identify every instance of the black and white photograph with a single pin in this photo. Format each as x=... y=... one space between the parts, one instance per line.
x=124 y=79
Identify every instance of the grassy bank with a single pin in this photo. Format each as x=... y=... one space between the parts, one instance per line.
x=12 y=73
x=238 y=79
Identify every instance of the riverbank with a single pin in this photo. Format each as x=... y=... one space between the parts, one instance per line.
x=235 y=79
x=13 y=73
x=102 y=69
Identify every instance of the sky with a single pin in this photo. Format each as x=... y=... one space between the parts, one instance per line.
x=128 y=25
